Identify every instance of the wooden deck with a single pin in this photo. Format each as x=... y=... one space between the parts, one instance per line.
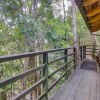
x=83 y=85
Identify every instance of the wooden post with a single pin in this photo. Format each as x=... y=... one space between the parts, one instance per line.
x=81 y=51
x=84 y=52
x=66 y=60
x=75 y=58
x=45 y=74
x=93 y=51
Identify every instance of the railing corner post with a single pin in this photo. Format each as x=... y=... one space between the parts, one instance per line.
x=81 y=52
x=75 y=58
x=84 y=52
x=66 y=60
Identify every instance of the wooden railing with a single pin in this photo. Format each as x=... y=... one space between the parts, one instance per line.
x=94 y=52
x=90 y=50
x=43 y=69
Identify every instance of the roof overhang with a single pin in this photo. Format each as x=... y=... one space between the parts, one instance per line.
x=90 y=10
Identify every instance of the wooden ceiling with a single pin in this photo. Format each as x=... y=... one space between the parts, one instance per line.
x=92 y=9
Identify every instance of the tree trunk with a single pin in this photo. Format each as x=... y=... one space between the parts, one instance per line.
x=75 y=32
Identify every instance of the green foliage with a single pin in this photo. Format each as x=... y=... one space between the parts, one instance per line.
x=11 y=9
x=81 y=27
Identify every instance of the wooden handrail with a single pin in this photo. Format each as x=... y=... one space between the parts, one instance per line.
x=29 y=54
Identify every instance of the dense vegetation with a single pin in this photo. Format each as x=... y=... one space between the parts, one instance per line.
x=34 y=25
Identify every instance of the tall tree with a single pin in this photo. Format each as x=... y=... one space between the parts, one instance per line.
x=75 y=31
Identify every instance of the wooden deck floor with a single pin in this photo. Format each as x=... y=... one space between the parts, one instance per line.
x=89 y=65
x=83 y=85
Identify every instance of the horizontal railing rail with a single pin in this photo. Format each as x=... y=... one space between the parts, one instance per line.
x=92 y=49
x=29 y=54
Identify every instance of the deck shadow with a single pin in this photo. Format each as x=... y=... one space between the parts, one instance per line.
x=89 y=65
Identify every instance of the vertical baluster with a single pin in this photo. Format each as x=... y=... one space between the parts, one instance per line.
x=94 y=51
x=84 y=52
x=81 y=52
x=45 y=74
x=66 y=60
x=75 y=58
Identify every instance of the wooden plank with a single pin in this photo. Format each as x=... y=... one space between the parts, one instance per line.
x=86 y=90
x=62 y=93
x=74 y=89
x=93 y=86
x=95 y=24
x=29 y=54
x=89 y=2
x=68 y=90
x=98 y=85
x=95 y=19
x=80 y=90
x=99 y=2
x=95 y=28
x=93 y=12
